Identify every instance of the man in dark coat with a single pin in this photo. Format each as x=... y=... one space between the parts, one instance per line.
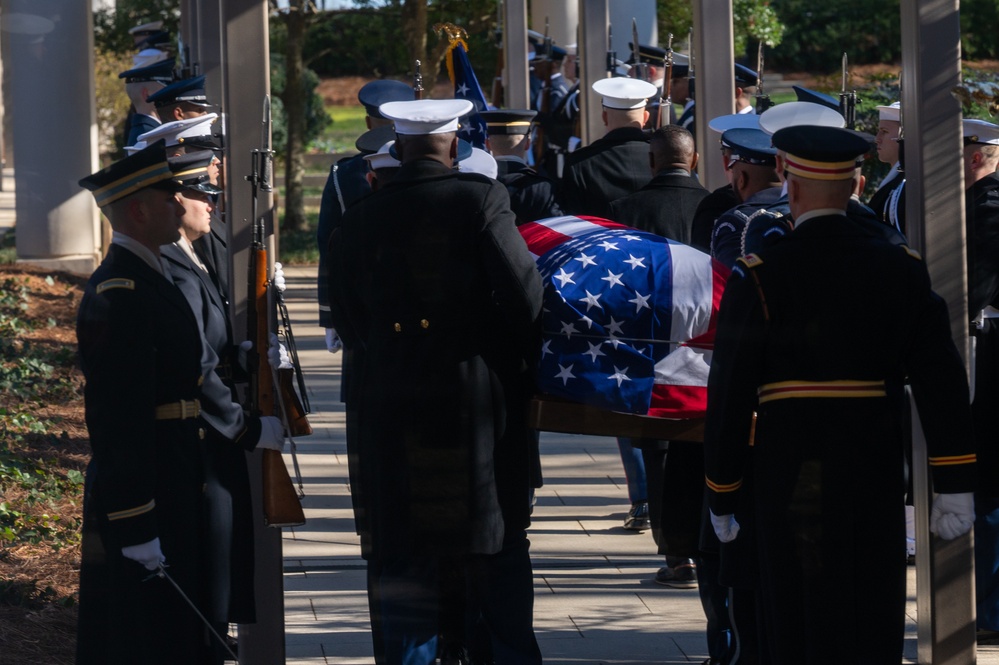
x=532 y=196
x=140 y=351
x=431 y=279
x=981 y=156
x=617 y=164
x=666 y=205
x=827 y=456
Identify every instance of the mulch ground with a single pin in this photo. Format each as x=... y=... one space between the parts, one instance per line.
x=39 y=584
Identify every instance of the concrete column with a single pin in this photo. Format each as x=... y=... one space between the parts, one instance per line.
x=592 y=58
x=562 y=15
x=54 y=131
x=516 y=89
x=715 y=82
x=931 y=119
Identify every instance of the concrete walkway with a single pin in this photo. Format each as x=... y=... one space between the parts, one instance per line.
x=595 y=601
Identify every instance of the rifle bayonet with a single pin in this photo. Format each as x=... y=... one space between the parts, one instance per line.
x=847 y=100
x=666 y=97
x=640 y=71
x=611 y=54
x=762 y=100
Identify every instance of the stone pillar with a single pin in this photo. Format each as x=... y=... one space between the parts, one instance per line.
x=715 y=90
x=54 y=131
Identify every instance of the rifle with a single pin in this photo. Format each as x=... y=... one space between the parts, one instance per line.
x=847 y=100
x=417 y=82
x=901 y=128
x=762 y=100
x=496 y=95
x=611 y=53
x=543 y=68
x=666 y=98
x=282 y=504
x=639 y=69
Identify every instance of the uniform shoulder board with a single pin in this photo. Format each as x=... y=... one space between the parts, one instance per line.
x=116 y=284
x=750 y=260
x=911 y=252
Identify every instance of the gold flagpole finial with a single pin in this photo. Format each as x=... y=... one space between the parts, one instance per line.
x=454 y=32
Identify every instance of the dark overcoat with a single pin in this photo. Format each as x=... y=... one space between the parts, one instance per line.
x=532 y=196
x=817 y=333
x=665 y=206
x=229 y=435
x=604 y=171
x=431 y=279
x=139 y=348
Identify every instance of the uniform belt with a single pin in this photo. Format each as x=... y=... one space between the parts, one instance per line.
x=178 y=410
x=769 y=392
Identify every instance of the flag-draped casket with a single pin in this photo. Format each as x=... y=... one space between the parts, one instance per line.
x=629 y=316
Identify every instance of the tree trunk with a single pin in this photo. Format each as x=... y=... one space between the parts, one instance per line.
x=296 y=21
x=414 y=27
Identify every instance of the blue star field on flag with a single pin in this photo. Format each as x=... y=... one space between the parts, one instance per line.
x=466 y=86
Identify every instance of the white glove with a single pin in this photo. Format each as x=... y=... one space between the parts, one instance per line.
x=278 y=280
x=271 y=433
x=725 y=526
x=244 y=348
x=333 y=341
x=148 y=554
x=952 y=515
x=277 y=354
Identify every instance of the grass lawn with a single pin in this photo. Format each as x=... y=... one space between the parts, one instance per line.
x=339 y=136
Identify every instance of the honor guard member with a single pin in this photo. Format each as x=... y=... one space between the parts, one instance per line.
x=745 y=86
x=723 y=198
x=144 y=504
x=616 y=164
x=666 y=205
x=651 y=59
x=532 y=196
x=827 y=454
x=753 y=165
x=196 y=134
x=182 y=99
x=430 y=277
x=140 y=32
x=347 y=183
x=981 y=156
x=888 y=202
x=140 y=83
x=230 y=431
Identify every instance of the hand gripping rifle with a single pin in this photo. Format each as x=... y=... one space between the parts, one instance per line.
x=847 y=100
x=666 y=98
x=763 y=101
x=282 y=504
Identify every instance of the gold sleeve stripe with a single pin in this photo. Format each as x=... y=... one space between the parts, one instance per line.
x=846 y=388
x=116 y=284
x=132 y=512
x=720 y=488
x=953 y=460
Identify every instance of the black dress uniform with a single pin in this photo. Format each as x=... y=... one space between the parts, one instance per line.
x=532 y=196
x=710 y=209
x=665 y=206
x=609 y=168
x=817 y=334
x=880 y=201
x=433 y=281
x=140 y=349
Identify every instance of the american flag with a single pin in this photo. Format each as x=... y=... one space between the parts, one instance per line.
x=466 y=86
x=629 y=316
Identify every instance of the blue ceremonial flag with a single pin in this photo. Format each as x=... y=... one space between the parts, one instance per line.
x=466 y=86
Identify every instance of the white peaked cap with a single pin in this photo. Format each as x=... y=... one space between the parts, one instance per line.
x=426 y=116
x=382 y=159
x=791 y=114
x=480 y=162
x=624 y=93
x=723 y=123
x=891 y=112
x=174 y=133
x=980 y=131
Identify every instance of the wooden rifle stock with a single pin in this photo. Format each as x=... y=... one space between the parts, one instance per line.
x=282 y=506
